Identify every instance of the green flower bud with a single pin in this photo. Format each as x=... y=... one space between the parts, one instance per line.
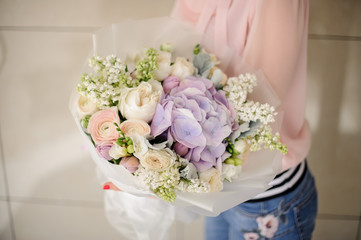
x=237 y=162
x=85 y=121
x=197 y=49
x=229 y=161
x=130 y=149
x=166 y=47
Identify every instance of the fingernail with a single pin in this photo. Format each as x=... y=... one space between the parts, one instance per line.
x=106 y=187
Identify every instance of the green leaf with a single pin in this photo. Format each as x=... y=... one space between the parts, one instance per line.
x=197 y=49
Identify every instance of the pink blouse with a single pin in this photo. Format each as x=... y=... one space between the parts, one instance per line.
x=270 y=35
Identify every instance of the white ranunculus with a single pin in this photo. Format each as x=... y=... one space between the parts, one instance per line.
x=140 y=102
x=117 y=151
x=158 y=160
x=164 y=67
x=230 y=171
x=85 y=106
x=213 y=177
x=182 y=68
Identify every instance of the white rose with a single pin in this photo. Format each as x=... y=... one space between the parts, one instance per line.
x=117 y=151
x=140 y=102
x=230 y=172
x=164 y=67
x=213 y=177
x=85 y=106
x=158 y=160
x=182 y=68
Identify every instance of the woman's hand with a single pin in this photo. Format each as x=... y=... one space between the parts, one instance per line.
x=110 y=186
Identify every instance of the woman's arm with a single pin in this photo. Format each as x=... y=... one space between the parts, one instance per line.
x=274 y=42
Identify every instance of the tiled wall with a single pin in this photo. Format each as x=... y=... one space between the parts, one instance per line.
x=48 y=188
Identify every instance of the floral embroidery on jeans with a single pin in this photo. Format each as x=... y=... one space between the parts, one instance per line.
x=251 y=236
x=267 y=225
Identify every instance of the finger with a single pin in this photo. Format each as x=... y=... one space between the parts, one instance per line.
x=110 y=186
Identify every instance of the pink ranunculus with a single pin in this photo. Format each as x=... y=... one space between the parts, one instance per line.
x=130 y=163
x=101 y=125
x=103 y=150
x=134 y=126
x=268 y=225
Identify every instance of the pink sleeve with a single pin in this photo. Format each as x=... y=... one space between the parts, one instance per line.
x=187 y=10
x=270 y=35
x=275 y=40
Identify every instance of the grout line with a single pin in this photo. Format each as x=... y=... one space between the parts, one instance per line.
x=49 y=29
x=7 y=190
x=333 y=37
x=358 y=235
x=92 y=29
x=57 y=202
x=99 y=204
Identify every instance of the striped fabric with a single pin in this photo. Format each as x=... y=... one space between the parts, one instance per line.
x=283 y=182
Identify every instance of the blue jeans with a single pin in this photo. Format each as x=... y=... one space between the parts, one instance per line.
x=289 y=216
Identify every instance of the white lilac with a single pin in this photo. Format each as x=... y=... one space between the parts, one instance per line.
x=166 y=183
x=168 y=178
x=111 y=75
x=237 y=89
x=105 y=84
x=253 y=111
x=194 y=186
x=265 y=137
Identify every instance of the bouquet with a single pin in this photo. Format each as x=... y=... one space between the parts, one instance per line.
x=168 y=122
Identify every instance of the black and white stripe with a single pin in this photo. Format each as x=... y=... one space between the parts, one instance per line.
x=283 y=182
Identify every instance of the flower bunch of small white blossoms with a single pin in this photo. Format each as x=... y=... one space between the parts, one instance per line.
x=265 y=136
x=111 y=75
x=165 y=183
x=237 y=89
x=253 y=111
x=104 y=86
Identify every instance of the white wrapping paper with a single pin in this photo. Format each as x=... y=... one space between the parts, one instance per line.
x=261 y=167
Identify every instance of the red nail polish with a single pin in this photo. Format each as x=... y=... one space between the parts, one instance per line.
x=106 y=187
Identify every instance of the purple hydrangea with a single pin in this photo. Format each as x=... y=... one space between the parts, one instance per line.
x=197 y=118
